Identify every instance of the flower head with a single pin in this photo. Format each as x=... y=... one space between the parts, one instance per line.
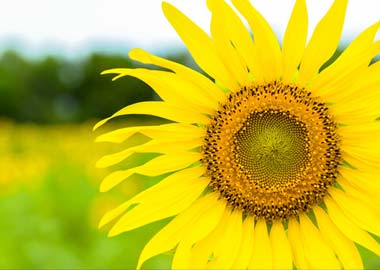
x=273 y=161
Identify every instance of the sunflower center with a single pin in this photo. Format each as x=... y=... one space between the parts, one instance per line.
x=272 y=150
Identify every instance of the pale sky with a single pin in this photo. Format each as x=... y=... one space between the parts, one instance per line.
x=72 y=25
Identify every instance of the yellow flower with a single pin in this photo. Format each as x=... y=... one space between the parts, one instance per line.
x=274 y=161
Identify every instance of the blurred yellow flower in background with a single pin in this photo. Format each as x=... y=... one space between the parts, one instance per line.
x=271 y=163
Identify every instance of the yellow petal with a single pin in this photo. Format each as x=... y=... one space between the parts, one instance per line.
x=355 y=155
x=281 y=251
x=323 y=42
x=358 y=79
x=235 y=31
x=115 y=178
x=366 y=80
x=223 y=43
x=367 y=182
x=297 y=245
x=153 y=146
x=350 y=79
x=166 y=131
x=206 y=243
x=121 y=135
x=342 y=246
x=199 y=45
x=361 y=43
x=204 y=84
x=267 y=49
x=171 y=88
x=167 y=203
x=156 y=209
x=157 y=166
x=262 y=253
x=360 y=141
x=206 y=212
x=205 y=225
x=160 y=109
x=168 y=163
x=355 y=162
x=357 y=55
x=356 y=132
x=181 y=259
x=246 y=246
x=227 y=249
x=365 y=107
x=318 y=254
x=294 y=41
x=348 y=228
x=364 y=193
x=164 y=185
x=198 y=230
x=361 y=213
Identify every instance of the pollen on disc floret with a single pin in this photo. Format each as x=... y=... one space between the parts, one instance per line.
x=272 y=150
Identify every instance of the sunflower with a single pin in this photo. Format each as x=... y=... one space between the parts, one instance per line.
x=271 y=158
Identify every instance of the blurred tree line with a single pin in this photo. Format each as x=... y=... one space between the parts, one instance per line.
x=53 y=89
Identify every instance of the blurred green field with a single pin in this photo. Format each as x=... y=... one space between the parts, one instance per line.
x=50 y=205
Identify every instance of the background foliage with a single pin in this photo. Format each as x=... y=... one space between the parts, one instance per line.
x=58 y=90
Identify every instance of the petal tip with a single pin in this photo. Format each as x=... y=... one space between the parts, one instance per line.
x=165 y=4
x=168 y=10
x=104 y=187
x=139 y=264
x=98 y=139
x=107 y=71
x=100 y=163
x=113 y=233
x=100 y=225
x=98 y=124
x=103 y=221
x=138 y=54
